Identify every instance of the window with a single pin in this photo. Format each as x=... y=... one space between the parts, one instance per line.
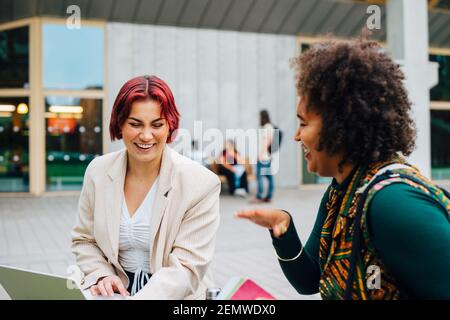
x=14 y=58
x=73 y=59
x=441 y=92
x=73 y=139
x=442 y=4
x=440 y=150
x=440 y=121
x=14 y=132
x=68 y=81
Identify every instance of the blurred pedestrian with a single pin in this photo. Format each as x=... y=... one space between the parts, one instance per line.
x=232 y=165
x=264 y=163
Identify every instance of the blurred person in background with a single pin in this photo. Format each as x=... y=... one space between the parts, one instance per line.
x=232 y=165
x=264 y=163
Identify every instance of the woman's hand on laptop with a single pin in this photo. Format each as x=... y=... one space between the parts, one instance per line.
x=107 y=286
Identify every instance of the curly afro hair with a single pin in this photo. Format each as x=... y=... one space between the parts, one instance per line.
x=357 y=89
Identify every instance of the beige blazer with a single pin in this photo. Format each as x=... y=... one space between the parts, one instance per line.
x=183 y=228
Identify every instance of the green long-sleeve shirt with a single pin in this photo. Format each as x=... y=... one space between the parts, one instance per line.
x=410 y=231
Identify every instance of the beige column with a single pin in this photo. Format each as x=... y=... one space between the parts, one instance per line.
x=37 y=113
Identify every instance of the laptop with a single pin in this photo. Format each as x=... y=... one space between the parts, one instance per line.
x=21 y=284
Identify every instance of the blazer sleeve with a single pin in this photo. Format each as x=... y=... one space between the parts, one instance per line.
x=89 y=257
x=192 y=251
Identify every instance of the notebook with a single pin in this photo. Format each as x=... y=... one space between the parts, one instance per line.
x=240 y=288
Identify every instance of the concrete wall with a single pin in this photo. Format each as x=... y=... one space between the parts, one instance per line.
x=222 y=78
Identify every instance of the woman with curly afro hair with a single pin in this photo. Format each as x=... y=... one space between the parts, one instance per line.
x=382 y=229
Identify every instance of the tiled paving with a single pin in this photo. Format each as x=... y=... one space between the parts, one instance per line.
x=35 y=234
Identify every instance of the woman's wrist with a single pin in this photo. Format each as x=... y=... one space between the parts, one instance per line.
x=288 y=246
x=285 y=222
x=282 y=224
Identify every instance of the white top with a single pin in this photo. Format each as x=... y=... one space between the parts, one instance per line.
x=134 y=237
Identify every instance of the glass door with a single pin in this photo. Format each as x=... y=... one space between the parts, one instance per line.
x=14 y=109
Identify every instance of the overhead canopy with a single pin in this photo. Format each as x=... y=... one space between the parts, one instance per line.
x=343 y=18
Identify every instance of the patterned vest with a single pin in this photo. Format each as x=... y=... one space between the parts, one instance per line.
x=337 y=235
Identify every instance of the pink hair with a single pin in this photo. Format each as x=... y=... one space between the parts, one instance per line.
x=143 y=88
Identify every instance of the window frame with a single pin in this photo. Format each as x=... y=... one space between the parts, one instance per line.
x=36 y=95
x=83 y=93
x=437 y=104
x=27 y=93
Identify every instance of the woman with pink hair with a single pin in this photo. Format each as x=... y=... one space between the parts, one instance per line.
x=144 y=226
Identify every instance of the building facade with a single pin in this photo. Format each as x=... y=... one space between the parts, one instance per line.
x=57 y=84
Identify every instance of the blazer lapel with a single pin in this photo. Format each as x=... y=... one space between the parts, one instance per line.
x=114 y=200
x=161 y=198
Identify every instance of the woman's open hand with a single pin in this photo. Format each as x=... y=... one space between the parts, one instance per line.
x=108 y=285
x=275 y=219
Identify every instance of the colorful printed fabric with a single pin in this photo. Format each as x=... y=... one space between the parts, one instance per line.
x=337 y=235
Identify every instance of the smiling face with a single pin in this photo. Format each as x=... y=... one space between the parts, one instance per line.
x=308 y=134
x=145 y=132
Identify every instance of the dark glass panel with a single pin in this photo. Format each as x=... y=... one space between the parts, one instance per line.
x=14 y=58
x=14 y=152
